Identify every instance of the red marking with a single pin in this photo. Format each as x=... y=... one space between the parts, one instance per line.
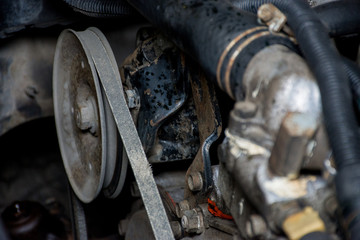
x=214 y=210
x=171 y=199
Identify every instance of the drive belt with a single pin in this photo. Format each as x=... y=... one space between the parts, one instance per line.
x=96 y=44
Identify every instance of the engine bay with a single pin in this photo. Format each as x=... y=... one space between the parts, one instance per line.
x=179 y=119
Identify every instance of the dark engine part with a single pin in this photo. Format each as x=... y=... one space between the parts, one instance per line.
x=221 y=38
x=273 y=175
x=156 y=70
x=347 y=17
x=98 y=8
x=30 y=220
x=314 y=43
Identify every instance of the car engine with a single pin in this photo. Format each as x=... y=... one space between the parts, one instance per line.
x=179 y=119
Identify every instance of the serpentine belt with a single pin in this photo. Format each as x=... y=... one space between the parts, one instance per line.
x=95 y=43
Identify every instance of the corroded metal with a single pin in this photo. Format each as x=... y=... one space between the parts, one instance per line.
x=210 y=126
x=166 y=120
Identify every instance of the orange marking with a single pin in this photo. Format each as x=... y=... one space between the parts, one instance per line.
x=214 y=210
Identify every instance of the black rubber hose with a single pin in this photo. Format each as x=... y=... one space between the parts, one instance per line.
x=339 y=117
x=208 y=30
x=340 y=17
x=101 y=8
x=353 y=73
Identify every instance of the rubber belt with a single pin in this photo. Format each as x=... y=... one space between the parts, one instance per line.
x=110 y=79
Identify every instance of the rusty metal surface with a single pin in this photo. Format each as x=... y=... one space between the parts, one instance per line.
x=25 y=80
x=156 y=70
x=166 y=121
x=210 y=126
x=178 y=137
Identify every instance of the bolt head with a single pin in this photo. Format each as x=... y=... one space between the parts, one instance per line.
x=181 y=207
x=86 y=116
x=265 y=13
x=195 y=181
x=193 y=221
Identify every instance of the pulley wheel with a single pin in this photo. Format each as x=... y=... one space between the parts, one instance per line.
x=88 y=138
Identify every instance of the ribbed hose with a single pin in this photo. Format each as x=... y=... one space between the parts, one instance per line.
x=221 y=38
x=339 y=117
x=353 y=73
x=340 y=17
x=101 y=8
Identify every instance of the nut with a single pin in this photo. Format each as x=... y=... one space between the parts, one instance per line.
x=181 y=207
x=86 y=115
x=193 y=221
x=195 y=181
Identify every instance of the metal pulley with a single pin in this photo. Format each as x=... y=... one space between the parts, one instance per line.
x=89 y=143
x=89 y=104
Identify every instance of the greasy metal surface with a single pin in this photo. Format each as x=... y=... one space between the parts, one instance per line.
x=282 y=85
x=178 y=137
x=139 y=226
x=110 y=79
x=209 y=123
x=83 y=153
x=25 y=80
x=156 y=70
x=295 y=134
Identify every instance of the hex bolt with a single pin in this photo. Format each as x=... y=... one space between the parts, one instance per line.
x=86 y=115
x=195 y=181
x=193 y=221
x=181 y=207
